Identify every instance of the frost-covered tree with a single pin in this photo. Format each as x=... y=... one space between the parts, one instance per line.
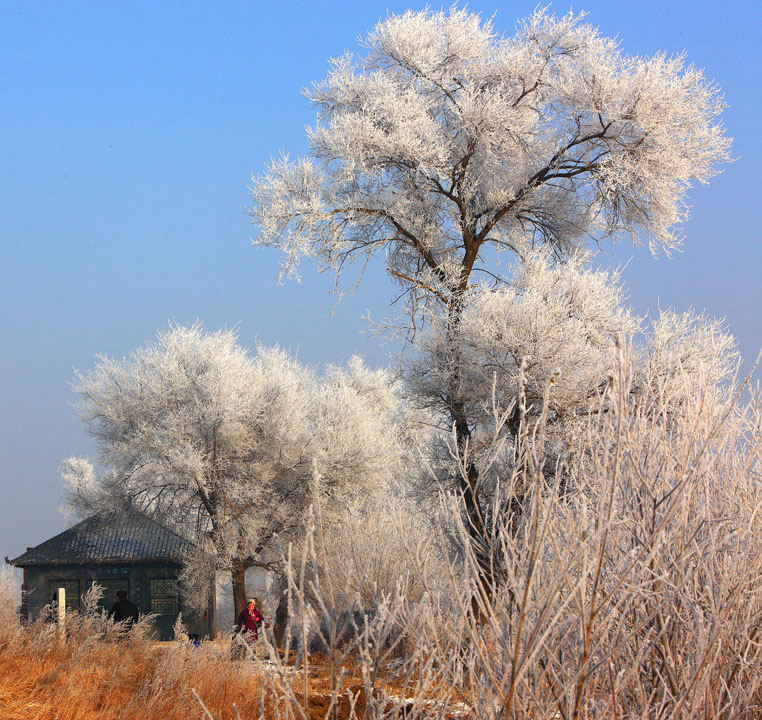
x=686 y=351
x=229 y=446
x=448 y=142
x=543 y=342
x=547 y=342
x=547 y=322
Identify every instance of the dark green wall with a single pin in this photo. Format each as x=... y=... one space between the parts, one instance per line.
x=139 y=579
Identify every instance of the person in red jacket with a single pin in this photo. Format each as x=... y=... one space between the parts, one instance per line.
x=249 y=621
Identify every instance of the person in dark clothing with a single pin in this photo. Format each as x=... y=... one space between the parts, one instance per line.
x=124 y=610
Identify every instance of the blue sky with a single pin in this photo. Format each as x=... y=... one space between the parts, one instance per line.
x=129 y=132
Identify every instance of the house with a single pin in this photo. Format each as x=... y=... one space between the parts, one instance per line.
x=120 y=551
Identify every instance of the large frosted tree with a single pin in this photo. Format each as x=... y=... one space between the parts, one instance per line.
x=446 y=143
x=229 y=446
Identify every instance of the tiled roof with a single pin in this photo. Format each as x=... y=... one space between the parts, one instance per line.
x=108 y=537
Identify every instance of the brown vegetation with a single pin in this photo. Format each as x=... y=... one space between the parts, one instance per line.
x=86 y=678
x=105 y=677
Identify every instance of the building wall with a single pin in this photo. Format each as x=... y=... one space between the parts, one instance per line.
x=151 y=586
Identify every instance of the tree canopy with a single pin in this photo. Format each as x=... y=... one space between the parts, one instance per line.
x=447 y=138
x=227 y=446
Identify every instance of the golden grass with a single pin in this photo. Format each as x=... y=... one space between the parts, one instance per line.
x=45 y=679
x=92 y=678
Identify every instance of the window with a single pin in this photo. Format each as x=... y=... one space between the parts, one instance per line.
x=72 y=592
x=163 y=596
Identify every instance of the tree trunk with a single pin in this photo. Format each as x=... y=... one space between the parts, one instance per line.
x=468 y=477
x=238 y=575
x=281 y=615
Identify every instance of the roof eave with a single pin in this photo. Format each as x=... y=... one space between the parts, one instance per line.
x=18 y=562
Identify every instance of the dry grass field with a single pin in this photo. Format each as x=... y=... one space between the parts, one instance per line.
x=97 y=675
x=89 y=679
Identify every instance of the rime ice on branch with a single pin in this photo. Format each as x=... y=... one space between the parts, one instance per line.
x=446 y=138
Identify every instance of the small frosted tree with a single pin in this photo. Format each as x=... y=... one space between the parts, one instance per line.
x=448 y=143
x=227 y=446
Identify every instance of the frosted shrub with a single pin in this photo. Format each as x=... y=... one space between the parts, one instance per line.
x=632 y=586
x=639 y=591
x=381 y=543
